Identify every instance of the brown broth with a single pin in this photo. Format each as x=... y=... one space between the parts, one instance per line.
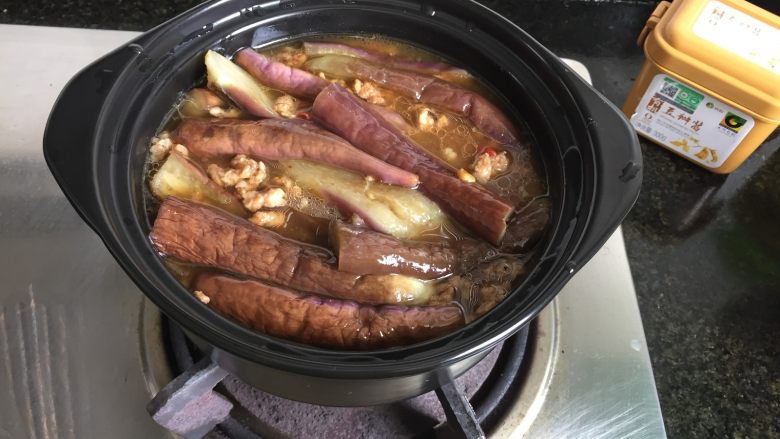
x=456 y=143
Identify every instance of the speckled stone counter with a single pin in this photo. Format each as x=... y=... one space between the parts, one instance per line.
x=704 y=249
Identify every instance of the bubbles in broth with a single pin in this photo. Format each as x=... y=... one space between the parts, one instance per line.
x=263 y=199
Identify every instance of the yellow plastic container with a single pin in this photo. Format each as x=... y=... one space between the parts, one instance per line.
x=710 y=87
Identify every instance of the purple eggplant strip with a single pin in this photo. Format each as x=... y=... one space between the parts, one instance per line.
x=481 y=112
x=429 y=90
x=296 y=82
x=277 y=139
x=429 y=67
x=393 y=118
x=362 y=251
x=470 y=204
x=204 y=235
x=406 y=83
x=492 y=121
x=324 y=322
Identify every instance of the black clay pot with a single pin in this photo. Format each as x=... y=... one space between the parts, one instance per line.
x=100 y=127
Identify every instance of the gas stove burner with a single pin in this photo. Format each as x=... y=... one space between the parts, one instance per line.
x=465 y=408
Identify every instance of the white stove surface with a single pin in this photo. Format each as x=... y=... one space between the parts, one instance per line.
x=72 y=362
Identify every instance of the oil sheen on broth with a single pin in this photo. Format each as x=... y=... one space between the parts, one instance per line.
x=349 y=193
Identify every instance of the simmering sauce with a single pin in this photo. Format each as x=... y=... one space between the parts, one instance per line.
x=330 y=178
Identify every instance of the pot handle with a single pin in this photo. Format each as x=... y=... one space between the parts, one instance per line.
x=619 y=170
x=68 y=140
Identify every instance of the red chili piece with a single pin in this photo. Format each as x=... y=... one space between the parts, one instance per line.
x=489 y=151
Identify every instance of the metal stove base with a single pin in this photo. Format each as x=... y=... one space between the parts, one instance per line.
x=488 y=388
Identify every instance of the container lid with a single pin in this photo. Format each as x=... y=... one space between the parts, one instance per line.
x=730 y=48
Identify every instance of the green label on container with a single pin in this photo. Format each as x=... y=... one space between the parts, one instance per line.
x=684 y=97
x=687 y=121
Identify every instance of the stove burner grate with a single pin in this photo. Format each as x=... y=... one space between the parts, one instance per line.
x=463 y=409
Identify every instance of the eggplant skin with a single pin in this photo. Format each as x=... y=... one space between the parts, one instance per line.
x=327 y=323
x=426 y=89
x=207 y=236
x=296 y=82
x=470 y=204
x=314 y=49
x=363 y=251
x=277 y=139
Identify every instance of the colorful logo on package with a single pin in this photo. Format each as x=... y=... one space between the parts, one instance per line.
x=733 y=122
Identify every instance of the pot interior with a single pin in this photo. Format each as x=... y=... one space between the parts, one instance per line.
x=523 y=74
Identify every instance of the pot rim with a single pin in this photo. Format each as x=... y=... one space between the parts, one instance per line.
x=124 y=233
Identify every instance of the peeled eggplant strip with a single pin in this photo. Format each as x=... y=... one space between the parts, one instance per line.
x=180 y=177
x=203 y=235
x=277 y=139
x=202 y=102
x=430 y=67
x=238 y=85
x=470 y=204
x=398 y=211
x=426 y=89
x=324 y=322
x=296 y=82
x=393 y=118
x=363 y=251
